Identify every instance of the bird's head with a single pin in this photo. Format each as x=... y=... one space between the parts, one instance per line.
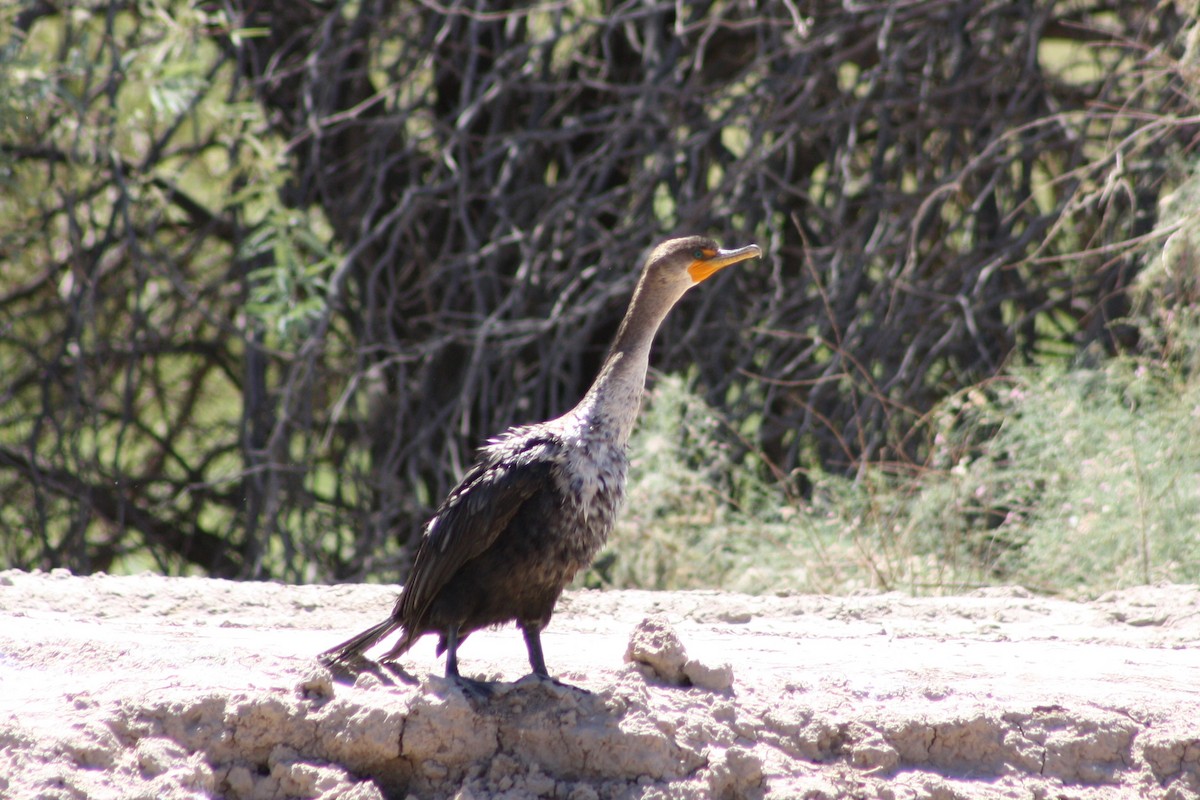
x=672 y=268
x=693 y=259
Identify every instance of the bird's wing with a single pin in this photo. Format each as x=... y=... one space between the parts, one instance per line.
x=473 y=515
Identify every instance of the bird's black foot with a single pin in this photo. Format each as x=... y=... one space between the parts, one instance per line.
x=478 y=690
x=473 y=689
x=537 y=678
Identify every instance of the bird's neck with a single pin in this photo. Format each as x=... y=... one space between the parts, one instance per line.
x=610 y=407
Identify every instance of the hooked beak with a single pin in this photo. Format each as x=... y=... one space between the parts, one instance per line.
x=704 y=268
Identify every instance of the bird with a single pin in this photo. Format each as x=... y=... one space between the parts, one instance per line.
x=541 y=499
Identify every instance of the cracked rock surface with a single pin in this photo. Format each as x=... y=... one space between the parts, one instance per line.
x=150 y=687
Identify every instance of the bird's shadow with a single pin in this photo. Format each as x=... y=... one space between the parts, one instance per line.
x=477 y=691
x=389 y=673
x=488 y=690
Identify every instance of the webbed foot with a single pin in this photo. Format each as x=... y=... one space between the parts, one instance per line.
x=473 y=689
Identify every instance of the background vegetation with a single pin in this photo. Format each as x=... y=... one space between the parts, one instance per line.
x=272 y=270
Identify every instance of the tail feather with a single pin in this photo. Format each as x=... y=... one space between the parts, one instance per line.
x=357 y=645
x=402 y=644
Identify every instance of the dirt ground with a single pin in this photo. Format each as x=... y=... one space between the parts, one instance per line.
x=151 y=687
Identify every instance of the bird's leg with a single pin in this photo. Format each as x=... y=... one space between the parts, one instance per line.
x=481 y=690
x=452 y=653
x=533 y=643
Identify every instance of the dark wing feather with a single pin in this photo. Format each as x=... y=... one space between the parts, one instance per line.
x=510 y=472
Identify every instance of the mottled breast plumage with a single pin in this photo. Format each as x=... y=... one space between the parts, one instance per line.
x=587 y=471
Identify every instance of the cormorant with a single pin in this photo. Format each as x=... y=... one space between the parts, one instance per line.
x=541 y=499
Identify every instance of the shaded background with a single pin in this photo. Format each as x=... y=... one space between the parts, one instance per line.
x=271 y=271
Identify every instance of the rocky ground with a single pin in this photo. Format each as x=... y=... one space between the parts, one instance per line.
x=154 y=687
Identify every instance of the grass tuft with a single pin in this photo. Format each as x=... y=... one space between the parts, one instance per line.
x=1064 y=480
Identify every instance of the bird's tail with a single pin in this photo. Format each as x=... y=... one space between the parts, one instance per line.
x=357 y=645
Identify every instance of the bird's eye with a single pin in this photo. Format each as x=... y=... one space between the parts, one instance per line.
x=698 y=254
